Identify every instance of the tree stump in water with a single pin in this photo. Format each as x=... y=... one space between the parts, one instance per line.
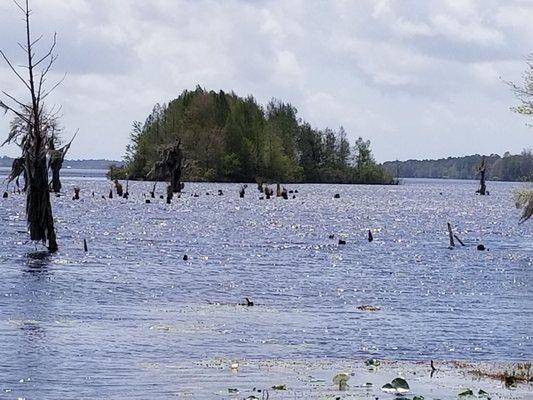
x=482 y=169
x=170 y=194
x=119 y=189
x=56 y=162
x=172 y=159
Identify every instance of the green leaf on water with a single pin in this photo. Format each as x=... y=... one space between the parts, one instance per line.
x=400 y=384
x=466 y=392
x=388 y=388
x=279 y=387
x=372 y=362
x=397 y=386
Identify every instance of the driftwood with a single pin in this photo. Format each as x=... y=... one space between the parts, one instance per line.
x=450 y=233
x=459 y=240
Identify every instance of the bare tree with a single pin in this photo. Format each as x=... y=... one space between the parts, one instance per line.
x=35 y=137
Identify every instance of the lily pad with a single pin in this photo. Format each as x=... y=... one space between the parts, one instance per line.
x=372 y=363
x=397 y=386
x=388 y=388
x=466 y=392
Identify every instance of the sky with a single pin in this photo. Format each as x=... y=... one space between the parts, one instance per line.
x=418 y=78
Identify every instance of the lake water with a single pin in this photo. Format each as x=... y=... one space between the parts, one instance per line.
x=97 y=323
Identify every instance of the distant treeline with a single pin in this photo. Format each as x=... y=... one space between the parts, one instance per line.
x=75 y=164
x=506 y=168
x=225 y=137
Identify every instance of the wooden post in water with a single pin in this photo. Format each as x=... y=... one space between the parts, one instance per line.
x=450 y=233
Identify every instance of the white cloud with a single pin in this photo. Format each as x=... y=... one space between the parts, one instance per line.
x=418 y=78
x=470 y=31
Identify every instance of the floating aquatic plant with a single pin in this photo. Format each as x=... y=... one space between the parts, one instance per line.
x=368 y=307
x=372 y=363
x=341 y=380
x=397 y=386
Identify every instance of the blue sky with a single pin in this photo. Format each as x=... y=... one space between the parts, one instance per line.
x=419 y=78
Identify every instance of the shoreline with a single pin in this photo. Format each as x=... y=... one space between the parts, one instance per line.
x=313 y=379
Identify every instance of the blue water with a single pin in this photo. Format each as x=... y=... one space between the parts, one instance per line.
x=77 y=325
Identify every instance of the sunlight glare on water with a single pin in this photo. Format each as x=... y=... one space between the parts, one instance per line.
x=95 y=321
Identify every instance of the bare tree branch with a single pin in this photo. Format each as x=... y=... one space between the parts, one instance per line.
x=19 y=6
x=14 y=70
x=54 y=87
x=14 y=99
x=49 y=51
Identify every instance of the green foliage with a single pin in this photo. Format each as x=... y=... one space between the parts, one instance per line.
x=524 y=92
x=507 y=168
x=229 y=138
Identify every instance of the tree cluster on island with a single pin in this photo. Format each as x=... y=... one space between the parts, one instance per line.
x=225 y=137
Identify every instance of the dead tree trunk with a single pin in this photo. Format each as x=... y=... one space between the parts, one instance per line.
x=482 y=170
x=56 y=163
x=38 y=206
x=170 y=166
x=33 y=134
x=173 y=159
x=17 y=169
